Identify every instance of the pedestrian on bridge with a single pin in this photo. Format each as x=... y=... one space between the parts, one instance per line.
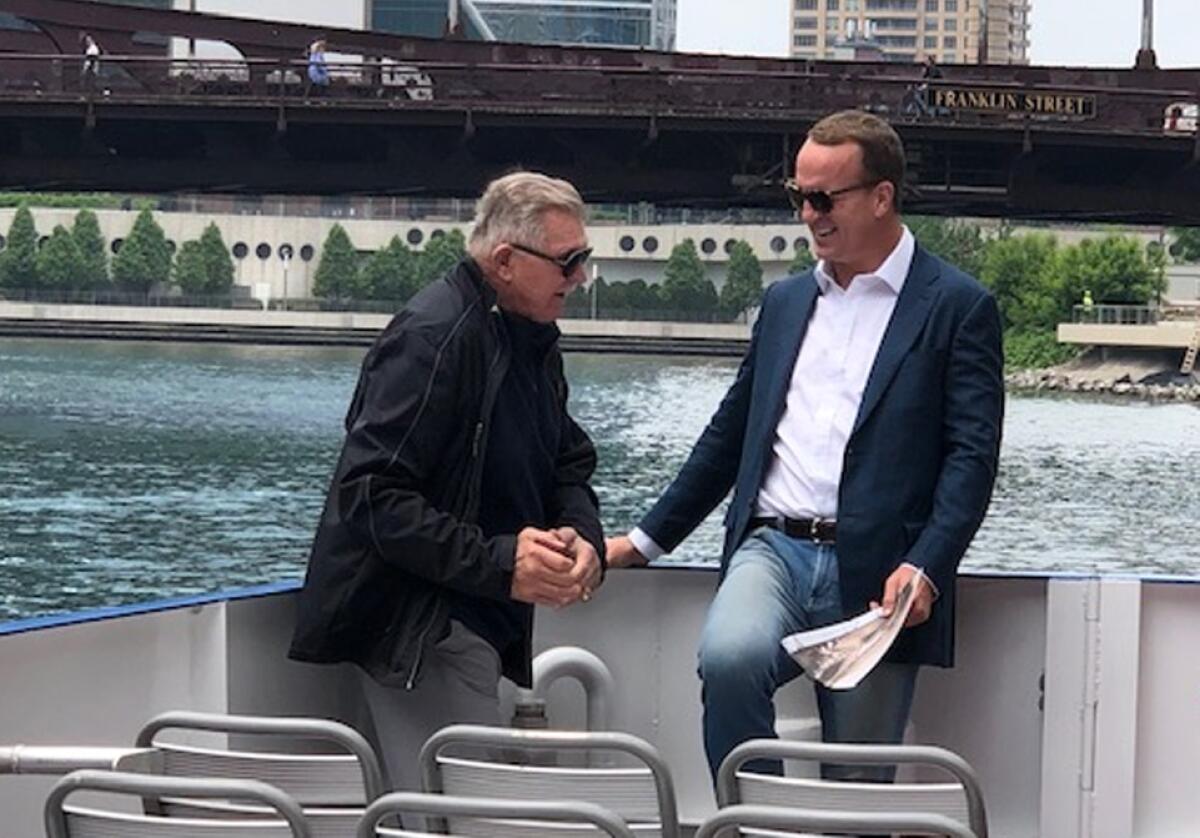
x=860 y=438
x=89 y=71
x=462 y=497
x=318 y=72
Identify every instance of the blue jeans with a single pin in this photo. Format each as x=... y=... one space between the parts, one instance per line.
x=777 y=585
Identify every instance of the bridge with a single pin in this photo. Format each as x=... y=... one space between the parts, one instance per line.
x=424 y=117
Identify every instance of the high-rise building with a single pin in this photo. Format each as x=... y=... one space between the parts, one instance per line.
x=910 y=30
x=631 y=23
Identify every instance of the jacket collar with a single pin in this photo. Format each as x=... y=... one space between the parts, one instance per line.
x=474 y=273
x=537 y=336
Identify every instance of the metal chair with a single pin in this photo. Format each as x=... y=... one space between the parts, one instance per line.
x=333 y=789
x=63 y=821
x=748 y=819
x=483 y=816
x=960 y=800
x=642 y=795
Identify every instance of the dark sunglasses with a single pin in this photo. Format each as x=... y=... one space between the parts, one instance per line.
x=568 y=264
x=820 y=200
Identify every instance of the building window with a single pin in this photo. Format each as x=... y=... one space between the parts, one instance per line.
x=415 y=236
x=626 y=244
x=832 y=25
x=951 y=5
x=806 y=5
x=950 y=42
x=778 y=244
x=931 y=24
x=831 y=5
x=951 y=24
x=892 y=23
x=852 y=5
x=804 y=40
x=709 y=246
x=931 y=5
x=240 y=250
x=804 y=23
x=650 y=244
x=931 y=42
x=263 y=251
x=307 y=253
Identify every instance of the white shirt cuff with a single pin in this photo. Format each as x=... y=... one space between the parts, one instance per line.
x=646 y=545
x=932 y=587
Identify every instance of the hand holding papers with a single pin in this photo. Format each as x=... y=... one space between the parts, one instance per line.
x=840 y=656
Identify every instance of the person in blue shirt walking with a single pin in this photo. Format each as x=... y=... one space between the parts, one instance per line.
x=318 y=72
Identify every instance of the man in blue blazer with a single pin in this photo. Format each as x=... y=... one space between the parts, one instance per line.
x=860 y=438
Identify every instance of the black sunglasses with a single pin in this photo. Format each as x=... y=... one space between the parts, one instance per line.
x=568 y=264
x=820 y=200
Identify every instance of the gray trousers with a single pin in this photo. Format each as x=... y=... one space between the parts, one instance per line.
x=457 y=683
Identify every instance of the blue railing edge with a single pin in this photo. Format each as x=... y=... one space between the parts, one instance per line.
x=91 y=615
x=285 y=586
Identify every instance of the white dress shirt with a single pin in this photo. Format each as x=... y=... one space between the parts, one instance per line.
x=839 y=348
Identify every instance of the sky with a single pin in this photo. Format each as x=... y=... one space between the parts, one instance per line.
x=1098 y=33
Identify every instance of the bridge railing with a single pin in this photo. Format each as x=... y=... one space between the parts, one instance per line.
x=635 y=91
x=1117 y=315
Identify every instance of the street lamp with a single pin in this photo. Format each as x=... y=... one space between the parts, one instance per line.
x=1146 y=60
x=595 y=288
x=285 y=256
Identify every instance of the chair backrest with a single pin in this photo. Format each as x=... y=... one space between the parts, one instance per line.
x=960 y=800
x=746 y=818
x=333 y=788
x=642 y=795
x=483 y=816
x=64 y=821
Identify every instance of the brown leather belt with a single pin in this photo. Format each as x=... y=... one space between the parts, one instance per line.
x=823 y=530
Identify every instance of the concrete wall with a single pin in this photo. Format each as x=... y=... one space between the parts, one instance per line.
x=1183 y=283
x=347 y=320
x=623 y=252
x=1171 y=334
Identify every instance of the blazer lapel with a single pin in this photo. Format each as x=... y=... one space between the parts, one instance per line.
x=785 y=345
x=908 y=318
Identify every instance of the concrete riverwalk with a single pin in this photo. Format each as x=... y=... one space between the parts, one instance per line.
x=324 y=328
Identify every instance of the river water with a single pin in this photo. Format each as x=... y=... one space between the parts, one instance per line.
x=134 y=471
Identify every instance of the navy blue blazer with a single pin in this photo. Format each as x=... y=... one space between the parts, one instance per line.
x=919 y=464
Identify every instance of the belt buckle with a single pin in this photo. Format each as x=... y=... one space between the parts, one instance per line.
x=813 y=526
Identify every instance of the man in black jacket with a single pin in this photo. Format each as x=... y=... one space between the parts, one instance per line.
x=461 y=497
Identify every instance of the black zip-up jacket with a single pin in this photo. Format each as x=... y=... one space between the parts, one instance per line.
x=398 y=531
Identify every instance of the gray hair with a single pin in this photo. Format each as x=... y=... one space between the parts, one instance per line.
x=512 y=206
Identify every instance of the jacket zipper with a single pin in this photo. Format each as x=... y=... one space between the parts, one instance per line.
x=491 y=388
x=412 y=673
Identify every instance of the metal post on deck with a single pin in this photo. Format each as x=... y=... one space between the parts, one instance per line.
x=1146 y=60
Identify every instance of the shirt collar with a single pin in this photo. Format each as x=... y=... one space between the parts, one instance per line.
x=892 y=271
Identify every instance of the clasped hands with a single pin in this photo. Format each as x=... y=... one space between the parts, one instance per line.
x=554 y=567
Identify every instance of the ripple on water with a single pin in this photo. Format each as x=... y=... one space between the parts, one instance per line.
x=135 y=471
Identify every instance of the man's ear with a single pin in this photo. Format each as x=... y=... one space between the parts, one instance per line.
x=885 y=198
x=501 y=259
